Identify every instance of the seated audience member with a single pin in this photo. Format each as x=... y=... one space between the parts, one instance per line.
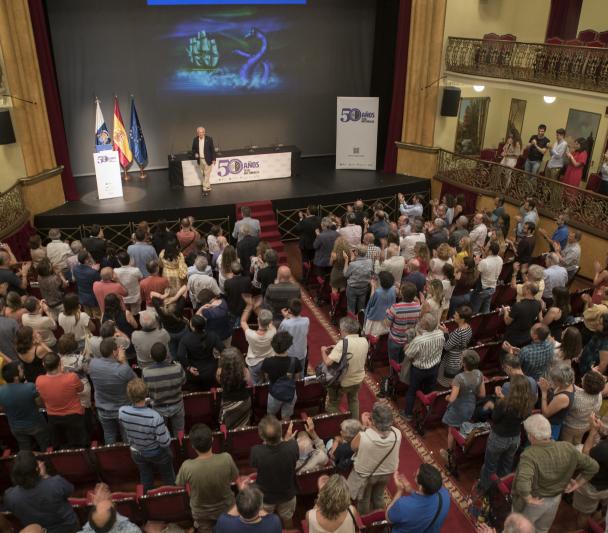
x=557 y=395
x=57 y=251
x=355 y=348
x=169 y=309
x=232 y=376
x=249 y=515
x=382 y=297
x=200 y=278
x=197 y=352
x=281 y=371
x=60 y=392
x=246 y=246
x=30 y=352
x=594 y=492
x=455 y=344
x=8 y=329
x=545 y=471
x=521 y=316
x=376 y=460
x=268 y=274
x=209 y=476
x=297 y=326
x=526 y=244
x=424 y=354
x=215 y=311
x=150 y=333
x=537 y=356
x=129 y=277
x=37 y=251
x=554 y=275
x=19 y=402
x=351 y=231
x=37 y=498
x=408 y=243
x=234 y=289
x=400 y=319
x=37 y=317
x=85 y=276
x=312 y=449
x=246 y=221
x=467 y=388
x=74 y=321
x=489 y=271
x=479 y=234
x=279 y=293
x=570 y=255
x=153 y=282
x=535 y=274
x=358 y=274
x=332 y=510
x=108 y=331
x=142 y=252
x=373 y=252
x=147 y=435
x=415 y=276
x=585 y=404
x=187 y=235
x=103 y=515
x=164 y=380
x=52 y=286
x=339 y=448
x=110 y=375
x=107 y=285
x=508 y=414
x=424 y=508
x=258 y=341
x=512 y=367
x=277 y=484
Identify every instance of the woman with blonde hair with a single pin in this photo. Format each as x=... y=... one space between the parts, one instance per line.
x=432 y=302
x=466 y=250
x=535 y=274
x=424 y=257
x=332 y=512
x=442 y=256
x=337 y=281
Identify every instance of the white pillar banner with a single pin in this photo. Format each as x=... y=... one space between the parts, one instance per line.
x=356 y=132
x=107 y=174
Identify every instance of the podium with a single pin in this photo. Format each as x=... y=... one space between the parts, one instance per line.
x=107 y=174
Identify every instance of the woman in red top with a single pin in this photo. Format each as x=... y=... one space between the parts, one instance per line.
x=577 y=161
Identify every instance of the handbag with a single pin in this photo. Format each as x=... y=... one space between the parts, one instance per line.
x=332 y=374
x=284 y=388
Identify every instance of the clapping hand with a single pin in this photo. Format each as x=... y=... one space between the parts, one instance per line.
x=289 y=432
x=401 y=482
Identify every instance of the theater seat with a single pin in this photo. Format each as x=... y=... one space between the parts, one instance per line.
x=311 y=396
x=308 y=481
x=327 y=426
x=202 y=407
x=429 y=409
x=377 y=353
x=465 y=449
x=115 y=465
x=74 y=465
x=166 y=504
x=260 y=401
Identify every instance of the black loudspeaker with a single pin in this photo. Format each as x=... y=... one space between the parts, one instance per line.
x=7 y=135
x=450 y=101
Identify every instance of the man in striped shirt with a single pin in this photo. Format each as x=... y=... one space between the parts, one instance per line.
x=400 y=318
x=147 y=435
x=424 y=353
x=164 y=380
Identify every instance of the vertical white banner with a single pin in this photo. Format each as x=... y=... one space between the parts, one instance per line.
x=107 y=173
x=356 y=132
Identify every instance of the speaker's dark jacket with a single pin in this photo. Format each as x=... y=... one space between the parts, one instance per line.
x=209 y=154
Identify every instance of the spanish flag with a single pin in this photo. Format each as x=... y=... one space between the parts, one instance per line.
x=120 y=138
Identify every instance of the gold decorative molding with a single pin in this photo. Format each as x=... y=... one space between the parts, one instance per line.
x=417 y=147
x=13 y=213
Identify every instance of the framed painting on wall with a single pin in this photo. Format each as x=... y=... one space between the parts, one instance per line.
x=471 y=125
x=516 y=116
x=583 y=124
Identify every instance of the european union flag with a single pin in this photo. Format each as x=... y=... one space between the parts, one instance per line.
x=136 y=138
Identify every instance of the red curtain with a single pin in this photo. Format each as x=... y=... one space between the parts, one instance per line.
x=51 y=95
x=563 y=19
x=396 y=117
x=470 y=198
x=18 y=242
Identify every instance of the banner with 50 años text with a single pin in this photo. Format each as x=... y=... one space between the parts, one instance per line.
x=356 y=132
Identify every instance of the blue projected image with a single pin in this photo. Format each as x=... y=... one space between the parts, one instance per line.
x=228 y=53
x=224 y=2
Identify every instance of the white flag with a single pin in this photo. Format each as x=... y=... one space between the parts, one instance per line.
x=102 y=135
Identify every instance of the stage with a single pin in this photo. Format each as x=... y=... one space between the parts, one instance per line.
x=152 y=199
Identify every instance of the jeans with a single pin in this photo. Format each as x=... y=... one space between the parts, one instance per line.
x=38 y=433
x=457 y=300
x=286 y=408
x=355 y=299
x=110 y=426
x=334 y=397
x=257 y=376
x=174 y=416
x=481 y=300
x=541 y=515
x=68 y=431
x=162 y=461
x=532 y=166
x=419 y=380
x=498 y=460
x=395 y=351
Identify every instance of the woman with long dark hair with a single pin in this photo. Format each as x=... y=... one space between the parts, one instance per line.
x=173 y=264
x=114 y=311
x=31 y=351
x=576 y=163
x=466 y=277
x=511 y=149
x=233 y=376
x=559 y=313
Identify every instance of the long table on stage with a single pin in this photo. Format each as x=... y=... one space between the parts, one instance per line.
x=244 y=164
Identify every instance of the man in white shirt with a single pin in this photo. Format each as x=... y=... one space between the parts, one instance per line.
x=555 y=276
x=58 y=251
x=489 y=272
x=128 y=276
x=200 y=279
x=408 y=244
x=258 y=340
x=570 y=255
x=478 y=234
x=394 y=263
x=558 y=153
x=415 y=209
x=352 y=231
x=204 y=152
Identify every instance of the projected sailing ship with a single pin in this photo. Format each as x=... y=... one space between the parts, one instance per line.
x=202 y=52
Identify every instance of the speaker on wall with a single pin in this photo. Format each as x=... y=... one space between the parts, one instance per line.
x=450 y=101
x=7 y=135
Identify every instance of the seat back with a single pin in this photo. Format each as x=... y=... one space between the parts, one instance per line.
x=505 y=294
x=74 y=465
x=166 y=504
x=554 y=40
x=114 y=464
x=493 y=326
x=308 y=481
x=202 y=407
x=311 y=396
x=378 y=351
x=240 y=441
x=327 y=426
x=127 y=505
x=586 y=36
x=260 y=400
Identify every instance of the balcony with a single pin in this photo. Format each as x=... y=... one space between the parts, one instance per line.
x=574 y=67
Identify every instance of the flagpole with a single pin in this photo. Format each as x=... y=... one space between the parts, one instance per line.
x=142 y=174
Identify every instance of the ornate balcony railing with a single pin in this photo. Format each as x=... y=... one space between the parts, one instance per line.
x=587 y=210
x=577 y=67
x=13 y=213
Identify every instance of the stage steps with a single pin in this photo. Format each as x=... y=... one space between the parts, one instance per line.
x=263 y=211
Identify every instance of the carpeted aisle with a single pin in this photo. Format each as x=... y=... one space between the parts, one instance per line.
x=413 y=450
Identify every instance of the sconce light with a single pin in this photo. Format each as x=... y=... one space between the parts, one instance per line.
x=549 y=99
x=478 y=88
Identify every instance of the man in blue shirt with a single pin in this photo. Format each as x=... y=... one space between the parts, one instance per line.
x=84 y=276
x=424 y=509
x=18 y=400
x=247 y=515
x=141 y=252
x=560 y=235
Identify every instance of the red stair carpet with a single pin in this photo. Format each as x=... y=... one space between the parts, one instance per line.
x=413 y=449
x=268 y=224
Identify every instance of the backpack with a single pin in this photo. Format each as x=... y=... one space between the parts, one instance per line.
x=332 y=374
x=284 y=388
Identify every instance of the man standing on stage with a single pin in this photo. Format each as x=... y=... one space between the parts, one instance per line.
x=204 y=152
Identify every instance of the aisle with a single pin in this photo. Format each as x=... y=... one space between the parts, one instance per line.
x=413 y=449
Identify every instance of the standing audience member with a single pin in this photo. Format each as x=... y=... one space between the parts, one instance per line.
x=8 y=331
x=358 y=273
x=332 y=510
x=154 y=282
x=57 y=251
x=200 y=278
x=489 y=270
x=107 y=285
x=536 y=356
x=576 y=164
x=323 y=245
x=52 y=287
x=557 y=151
x=570 y=255
x=456 y=342
x=37 y=251
x=555 y=276
x=279 y=293
x=233 y=376
x=37 y=317
x=215 y=311
x=150 y=333
x=15 y=282
x=172 y=261
x=557 y=394
x=537 y=146
x=479 y=234
x=95 y=243
x=73 y=320
x=247 y=245
x=234 y=289
x=297 y=326
x=521 y=316
x=401 y=318
x=585 y=404
x=141 y=252
x=259 y=347
x=187 y=236
x=129 y=277
x=30 y=352
x=246 y=220
x=306 y=228
x=409 y=242
x=382 y=297
x=351 y=232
